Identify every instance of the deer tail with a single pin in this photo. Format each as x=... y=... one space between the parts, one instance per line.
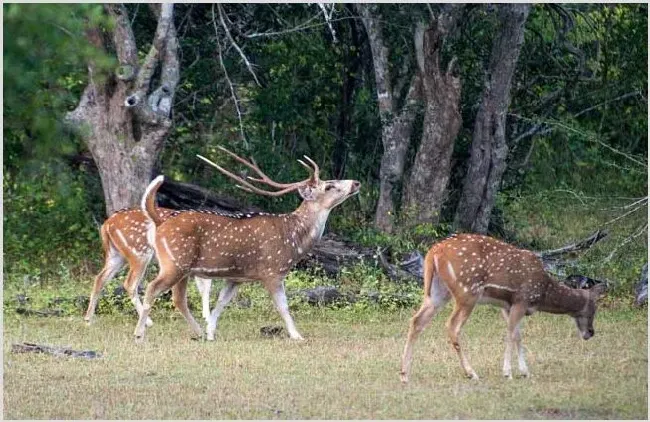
x=430 y=271
x=148 y=203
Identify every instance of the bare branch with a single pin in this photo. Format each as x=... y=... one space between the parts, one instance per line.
x=622 y=97
x=328 y=17
x=230 y=85
x=574 y=247
x=643 y=229
x=620 y=217
x=299 y=27
x=234 y=44
x=585 y=135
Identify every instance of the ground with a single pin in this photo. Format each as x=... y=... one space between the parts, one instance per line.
x=347 y=368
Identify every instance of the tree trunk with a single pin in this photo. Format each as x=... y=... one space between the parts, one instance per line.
x=123 y=120
x=397 y=123
x=489 y=148
x=425 y=192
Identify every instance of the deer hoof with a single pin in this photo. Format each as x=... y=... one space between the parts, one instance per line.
x=473 y=376
x=404 y=378
x=89 y=320
x=139 y=339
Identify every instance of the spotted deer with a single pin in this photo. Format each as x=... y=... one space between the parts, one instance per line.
x=250 y=247
x=124 y=239
x=475 y=269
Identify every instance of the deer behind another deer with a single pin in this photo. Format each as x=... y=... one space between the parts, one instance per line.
x=475 y=269
x=248 y=247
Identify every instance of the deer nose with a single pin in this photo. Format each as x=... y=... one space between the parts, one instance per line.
x=355 y=186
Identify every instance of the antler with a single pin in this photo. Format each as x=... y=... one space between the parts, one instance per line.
x=245 y=185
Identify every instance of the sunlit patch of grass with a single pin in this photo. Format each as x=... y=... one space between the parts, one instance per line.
x=347 y=368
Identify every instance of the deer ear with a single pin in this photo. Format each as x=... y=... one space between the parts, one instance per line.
x=307 y=192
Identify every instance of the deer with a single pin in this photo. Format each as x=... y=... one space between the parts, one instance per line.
x=124 y=240
x=476 y=269
x=240 y=248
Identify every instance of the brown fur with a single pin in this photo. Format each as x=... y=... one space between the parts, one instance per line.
x=479 y=269
x=240 y=247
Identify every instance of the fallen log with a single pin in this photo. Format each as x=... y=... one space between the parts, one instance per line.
x=55 y=351
x=575 y=247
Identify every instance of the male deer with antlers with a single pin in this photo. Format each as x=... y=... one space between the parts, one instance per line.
x=124 y=239
x=251 y=247
x=478 y=269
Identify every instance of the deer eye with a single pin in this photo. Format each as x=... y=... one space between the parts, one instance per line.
x=329 y=187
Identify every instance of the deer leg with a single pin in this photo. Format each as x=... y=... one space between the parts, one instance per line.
x=204 y=285
x=419 y=321
x=430 y=307
x=137 y=269
x=179 y=296
x=164 y=281
x=225 y=296
x=515 y=316
x=113 y=264
x=454 y=325
x=280 y=301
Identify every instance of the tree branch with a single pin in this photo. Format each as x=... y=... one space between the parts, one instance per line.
x=123 y=38
x=234 y=44
x=328 y=18
x=585 y=243
x=230 y=85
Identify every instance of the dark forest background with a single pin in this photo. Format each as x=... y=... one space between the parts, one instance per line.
x=526 y=122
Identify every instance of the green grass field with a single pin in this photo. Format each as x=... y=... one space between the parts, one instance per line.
x=347 y=368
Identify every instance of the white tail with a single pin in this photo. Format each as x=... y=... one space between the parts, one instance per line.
x=476 y=269
x=240 y=246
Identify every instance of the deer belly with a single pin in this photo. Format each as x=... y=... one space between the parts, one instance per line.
x=497 y=297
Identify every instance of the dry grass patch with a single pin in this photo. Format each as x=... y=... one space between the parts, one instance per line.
x=348 y=368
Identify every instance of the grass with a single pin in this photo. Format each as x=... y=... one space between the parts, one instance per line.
x=348 y=368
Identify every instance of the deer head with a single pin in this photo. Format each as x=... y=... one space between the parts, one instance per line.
x=585 y=318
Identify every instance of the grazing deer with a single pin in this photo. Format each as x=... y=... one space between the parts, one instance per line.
x=477 y=269
x=244 y=247
x=124 y=239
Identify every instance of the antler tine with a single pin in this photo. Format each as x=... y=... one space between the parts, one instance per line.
x=253 y=166
x=316 y=168
x=247 y=186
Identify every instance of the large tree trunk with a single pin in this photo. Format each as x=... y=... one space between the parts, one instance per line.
x=123 y=120
x=425 y=192
x=397 y=123
x=489 y=147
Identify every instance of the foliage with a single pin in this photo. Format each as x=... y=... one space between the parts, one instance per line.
x=582 y=77
x=44 y=71
x=48 y=222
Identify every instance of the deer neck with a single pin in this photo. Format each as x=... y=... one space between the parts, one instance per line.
x=305 y=226
x=560 y=299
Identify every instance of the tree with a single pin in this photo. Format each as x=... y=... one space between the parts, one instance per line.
x=489 y=148
x=397 y=122
x=123 y=120
x=427 y=185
